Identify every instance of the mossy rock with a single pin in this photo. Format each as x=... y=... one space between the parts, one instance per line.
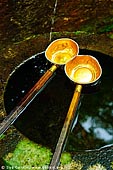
x=28 y=155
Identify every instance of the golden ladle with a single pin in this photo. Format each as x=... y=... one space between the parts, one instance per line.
x=82 y=70
x=59 y=52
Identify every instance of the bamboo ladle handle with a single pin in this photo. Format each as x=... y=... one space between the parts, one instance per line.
x=14 y=114
x=66 y=128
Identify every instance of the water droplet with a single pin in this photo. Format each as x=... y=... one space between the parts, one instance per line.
x=23 y=91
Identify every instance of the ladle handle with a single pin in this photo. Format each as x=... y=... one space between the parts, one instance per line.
x=66 y=128
x=26 y=100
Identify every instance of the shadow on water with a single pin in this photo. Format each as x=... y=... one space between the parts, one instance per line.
x=44 y=117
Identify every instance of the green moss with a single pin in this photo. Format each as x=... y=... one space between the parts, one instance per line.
x=99 y=26
x=28 y=155
x=67 y=163
x=65 y=158
x=106 y=28
x=72 y=166
x=68 y=33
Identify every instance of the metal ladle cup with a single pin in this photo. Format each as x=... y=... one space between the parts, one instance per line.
x=59 y=52
x=82 y=70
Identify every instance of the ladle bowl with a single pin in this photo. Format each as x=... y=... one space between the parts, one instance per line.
x=62 y=50
x=83 y=69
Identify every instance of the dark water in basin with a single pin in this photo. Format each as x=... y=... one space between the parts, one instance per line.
x=44 y=117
